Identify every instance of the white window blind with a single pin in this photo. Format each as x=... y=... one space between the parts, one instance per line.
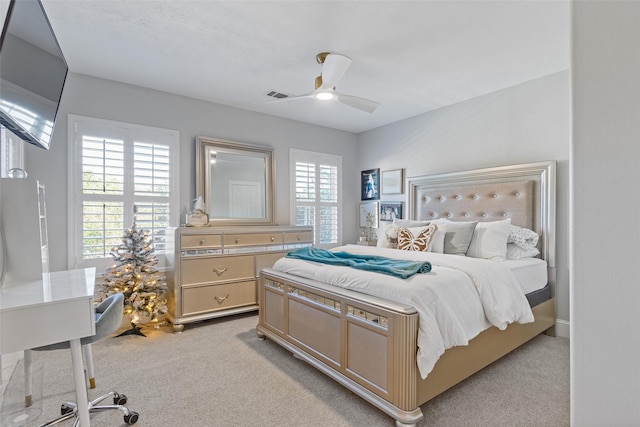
x=117 y=166
x=316 y=198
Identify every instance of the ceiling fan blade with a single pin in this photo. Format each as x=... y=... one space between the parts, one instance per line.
x=292 y=98
x=362 y=104
x=333 y=69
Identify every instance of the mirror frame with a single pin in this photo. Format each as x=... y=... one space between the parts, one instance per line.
x=203 y=179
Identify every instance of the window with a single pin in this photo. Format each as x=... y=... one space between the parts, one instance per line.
x=117 y=166
x=316 y=194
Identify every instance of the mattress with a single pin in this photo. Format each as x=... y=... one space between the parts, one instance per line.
x=531 y=273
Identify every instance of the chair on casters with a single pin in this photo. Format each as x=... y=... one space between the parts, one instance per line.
x=108 y=320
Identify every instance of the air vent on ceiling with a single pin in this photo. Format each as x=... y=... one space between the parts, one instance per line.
x=277 y=95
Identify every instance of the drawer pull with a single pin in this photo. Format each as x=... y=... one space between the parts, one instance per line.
x=273 y=239
x=237 y=241
x=219 y=271
x=201 y=242
x=221 y=299
x=299 y=238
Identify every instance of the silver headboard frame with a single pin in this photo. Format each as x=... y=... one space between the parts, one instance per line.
x=526 y=193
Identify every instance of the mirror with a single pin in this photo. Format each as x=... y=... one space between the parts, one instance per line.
x=235 y=181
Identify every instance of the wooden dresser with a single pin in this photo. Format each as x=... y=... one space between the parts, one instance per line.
x=214 y=270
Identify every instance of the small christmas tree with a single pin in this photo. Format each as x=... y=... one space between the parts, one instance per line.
x=134 y=274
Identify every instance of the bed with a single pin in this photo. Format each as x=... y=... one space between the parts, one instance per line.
x=374 y=342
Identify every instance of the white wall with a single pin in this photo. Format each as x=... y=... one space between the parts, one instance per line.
x=605 y=157
x=94 y=97
x=525 y=123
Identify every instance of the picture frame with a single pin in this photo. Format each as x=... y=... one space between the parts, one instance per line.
x=393 y=181
x=391 y=210
x=370 y=184
x=369 y=217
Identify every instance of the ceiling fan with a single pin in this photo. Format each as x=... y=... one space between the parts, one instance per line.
x=333 y=68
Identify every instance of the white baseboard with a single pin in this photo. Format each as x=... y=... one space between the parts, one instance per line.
x=562 y=328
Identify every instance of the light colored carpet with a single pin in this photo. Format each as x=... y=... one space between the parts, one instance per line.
x=217 y=373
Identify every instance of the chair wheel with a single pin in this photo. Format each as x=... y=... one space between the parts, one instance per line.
x=119 y=399
x=64 y=409
x=132 y=418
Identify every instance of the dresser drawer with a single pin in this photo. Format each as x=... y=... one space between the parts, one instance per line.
x=231 y=240
x=201 y=299
x=217 y=269
x=199 y=241
x=298 y=237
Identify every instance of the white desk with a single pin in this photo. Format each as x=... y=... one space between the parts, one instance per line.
x=42 y=312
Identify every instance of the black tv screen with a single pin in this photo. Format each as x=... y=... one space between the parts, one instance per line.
x=32 y=73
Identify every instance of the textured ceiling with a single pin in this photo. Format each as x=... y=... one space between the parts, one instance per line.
x=411 y=57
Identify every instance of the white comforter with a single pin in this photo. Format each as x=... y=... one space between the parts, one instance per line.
x=457 y=300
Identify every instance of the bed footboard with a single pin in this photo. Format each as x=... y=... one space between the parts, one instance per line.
x=369 y=345
x=338 y=331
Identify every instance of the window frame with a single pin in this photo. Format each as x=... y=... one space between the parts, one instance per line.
x=130 y=132
x=300 y=155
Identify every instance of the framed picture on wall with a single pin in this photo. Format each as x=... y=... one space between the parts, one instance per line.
x=369 y=215
x=390 y=211
x=392 y=181
x=370 y=184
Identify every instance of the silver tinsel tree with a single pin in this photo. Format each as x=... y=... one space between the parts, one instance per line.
x=134 y=274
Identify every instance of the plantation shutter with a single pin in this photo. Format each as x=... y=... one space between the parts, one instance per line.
x=102 y=195
x=316 y=194
x=120 y=166
x=152 y=188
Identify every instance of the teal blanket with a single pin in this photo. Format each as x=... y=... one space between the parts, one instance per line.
x=393 y=267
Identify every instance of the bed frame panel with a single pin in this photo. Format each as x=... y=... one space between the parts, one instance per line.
x=368 y=344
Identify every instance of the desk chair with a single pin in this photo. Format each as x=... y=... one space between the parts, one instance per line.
x=108 y=320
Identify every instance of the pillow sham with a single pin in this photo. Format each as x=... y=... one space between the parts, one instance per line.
x=416 y=238
x=523 y=237
x=490 y=240
x=458 y=236
x=516 y=252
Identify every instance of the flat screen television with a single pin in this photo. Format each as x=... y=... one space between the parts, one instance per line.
x=33 y=71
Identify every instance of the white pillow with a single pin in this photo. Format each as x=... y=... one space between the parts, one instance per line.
x=516 y=252
x=489 y=240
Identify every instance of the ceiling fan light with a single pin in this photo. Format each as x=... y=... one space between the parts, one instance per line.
x=324 y=95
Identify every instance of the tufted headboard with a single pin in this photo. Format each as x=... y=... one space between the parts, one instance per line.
x=525 y=193
x=478 y=202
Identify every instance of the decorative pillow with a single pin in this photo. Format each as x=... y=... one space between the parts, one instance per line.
x=458 y=237
x=391 y=231
x=490 y=240
x=516 y=252
x=384 y=241
x=523 y=237
x=416 y=238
